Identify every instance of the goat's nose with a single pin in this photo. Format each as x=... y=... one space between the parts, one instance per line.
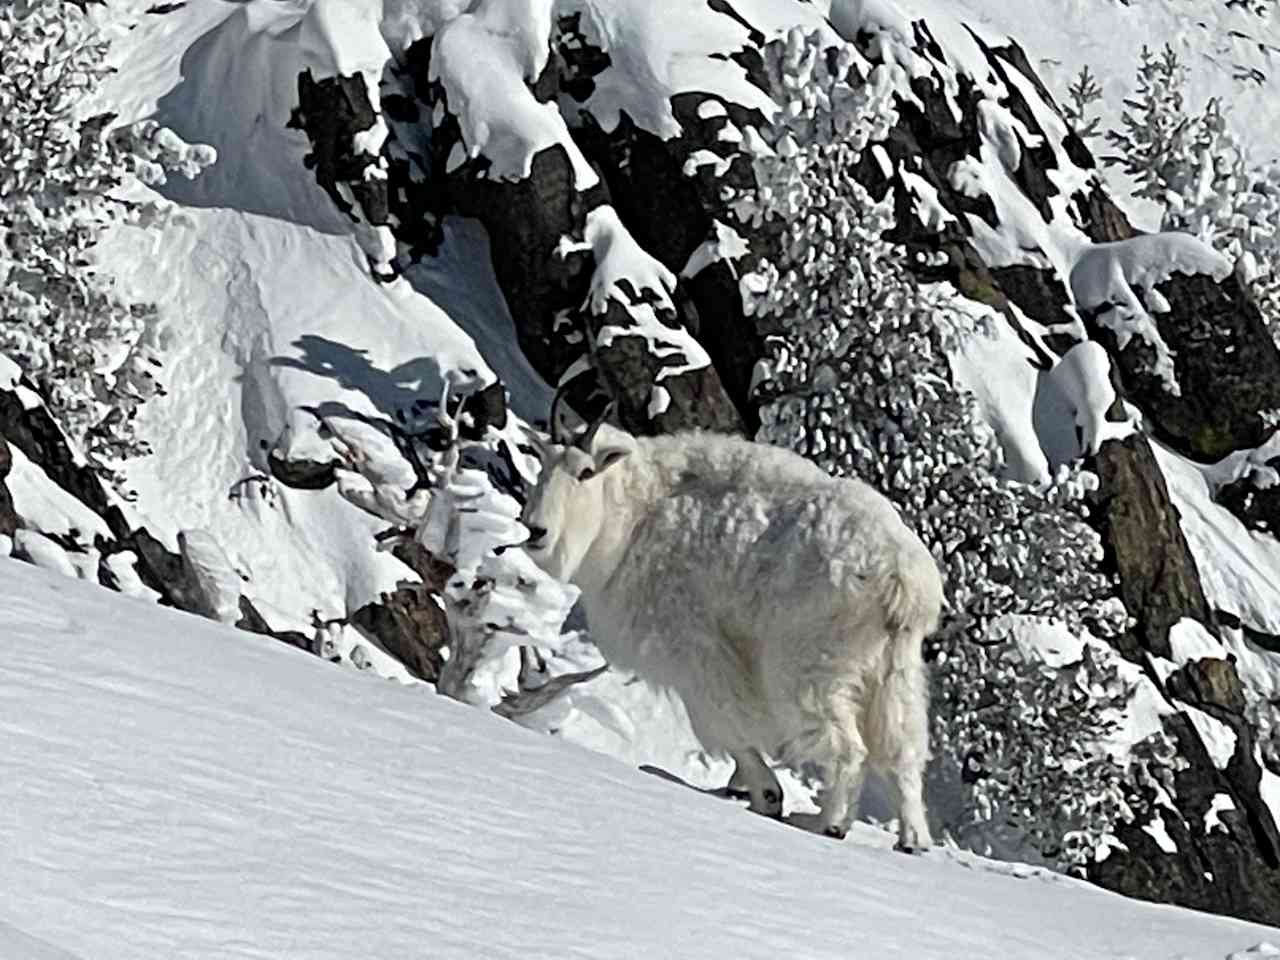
x=536 y=533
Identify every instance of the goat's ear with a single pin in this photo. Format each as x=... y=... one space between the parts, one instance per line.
x=610 y=448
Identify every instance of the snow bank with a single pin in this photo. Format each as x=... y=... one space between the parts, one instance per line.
x=485 y=60
x=45 y=506
x=1220 y=804
x=1190 y=640
x=652 y=59
x=1083 y=376
x=999 y=370
x=620 y=259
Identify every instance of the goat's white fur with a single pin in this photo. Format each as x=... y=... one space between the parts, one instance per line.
x=785 y=607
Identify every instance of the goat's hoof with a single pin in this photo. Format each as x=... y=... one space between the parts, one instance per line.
x=772 y=806
x=910 y=848
x=835 y=833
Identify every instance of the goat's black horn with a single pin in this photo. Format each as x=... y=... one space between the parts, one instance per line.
x=589 y=435
x=553 y=422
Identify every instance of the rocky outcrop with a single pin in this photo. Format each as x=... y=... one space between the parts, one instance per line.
x=410 y=622
x=1223 y=835
x=1226 y=363
x=546 y=284
x=1227 y=862
x=8 y=519
x=34 y=432
x=300 y=473
x=672 y=214
x=1159 y=581
x=331 y=111
x=253 y=622
x=31 y=429
x=1257 y=507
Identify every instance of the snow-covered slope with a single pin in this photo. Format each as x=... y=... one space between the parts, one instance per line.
x=1229 y=48
x=170 y=787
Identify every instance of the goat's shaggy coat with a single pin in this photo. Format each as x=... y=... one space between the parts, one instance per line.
x=786 y=608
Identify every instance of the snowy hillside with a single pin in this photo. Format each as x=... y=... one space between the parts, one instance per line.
x=349 y=249
x=174 y=788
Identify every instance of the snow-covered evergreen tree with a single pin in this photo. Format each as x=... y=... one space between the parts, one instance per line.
x=1196 y=168
x=858 y=380
x=88 y=351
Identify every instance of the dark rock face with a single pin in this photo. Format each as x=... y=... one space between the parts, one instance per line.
x=301 y=474
x=1100 y=218
x=1159 y=582
x=158 y=567
x=1257 y=508
x=1209 y=683
x=1161 y=585
x=331 y=111
x=671 y=215
x=410 y=626
x=8 y=519
x=253 y=621
x=1226 y=362
x=483 y=409
x=410 y=623
x=35 y=433
x=1238 y=852
x=526 y=221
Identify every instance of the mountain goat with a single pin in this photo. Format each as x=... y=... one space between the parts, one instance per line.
x=785 y=607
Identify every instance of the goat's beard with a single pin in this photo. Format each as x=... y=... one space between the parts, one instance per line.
x=563 y=558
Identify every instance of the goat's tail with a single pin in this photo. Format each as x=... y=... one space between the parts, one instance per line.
x=911 y=588
x=911 y=595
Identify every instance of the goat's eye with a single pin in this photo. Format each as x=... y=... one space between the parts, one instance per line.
x=586 y=474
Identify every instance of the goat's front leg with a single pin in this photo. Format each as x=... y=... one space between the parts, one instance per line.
x=753 y=778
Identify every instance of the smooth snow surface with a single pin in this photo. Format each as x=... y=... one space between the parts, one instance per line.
x=173 y=788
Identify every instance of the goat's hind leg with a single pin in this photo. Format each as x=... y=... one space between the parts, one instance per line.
x=907 y=781
x=842 y=787
x=753 y=779
x=837 y=745
x=907 y=755
x=900 y=747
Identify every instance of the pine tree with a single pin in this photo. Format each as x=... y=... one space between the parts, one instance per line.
x=87 y=350
x=1196 y=168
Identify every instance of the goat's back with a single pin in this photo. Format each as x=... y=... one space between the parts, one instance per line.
x=741 y=538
